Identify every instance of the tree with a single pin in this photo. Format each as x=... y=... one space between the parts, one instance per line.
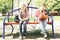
x=50 y=4
x=5 y=6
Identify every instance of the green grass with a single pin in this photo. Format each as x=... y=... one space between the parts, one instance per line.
x=11 y=18
x=56 y=18
x=1 y=19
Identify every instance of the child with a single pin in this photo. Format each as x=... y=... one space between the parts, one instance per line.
x=23 y=16
x=41 y=22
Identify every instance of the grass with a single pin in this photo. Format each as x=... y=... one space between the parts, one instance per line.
x=1 y=19
x=11 y=18
x=56 y=18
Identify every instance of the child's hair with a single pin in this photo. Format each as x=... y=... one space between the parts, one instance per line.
x=24 y=6
x=43 y=5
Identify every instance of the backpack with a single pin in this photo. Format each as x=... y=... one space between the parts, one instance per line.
x=16 y=19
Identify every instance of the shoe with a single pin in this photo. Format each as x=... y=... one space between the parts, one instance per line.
x=41 y=32
x=45 y=35
x=21 y=36
x=24 y=37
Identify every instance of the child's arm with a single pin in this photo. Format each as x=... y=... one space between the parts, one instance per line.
x=19 y=16
x=27 y=17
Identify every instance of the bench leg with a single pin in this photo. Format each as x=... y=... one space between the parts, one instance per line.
x=52 y=29
x=3 y=32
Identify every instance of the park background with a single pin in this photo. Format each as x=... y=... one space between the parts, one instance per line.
x=6 y=6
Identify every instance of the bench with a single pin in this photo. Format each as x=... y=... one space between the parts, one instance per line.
x=8 y=23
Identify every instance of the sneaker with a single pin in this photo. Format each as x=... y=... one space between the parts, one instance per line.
x=24 y=37
x=41 y=32
x=20 y=37
x=45 y=35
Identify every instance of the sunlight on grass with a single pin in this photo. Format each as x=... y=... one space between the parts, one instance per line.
x=11 y=18
x=56 y=18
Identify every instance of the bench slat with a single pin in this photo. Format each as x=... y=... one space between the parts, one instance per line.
x=8 y=23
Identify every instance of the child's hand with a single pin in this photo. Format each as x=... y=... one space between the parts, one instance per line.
x=22 y=19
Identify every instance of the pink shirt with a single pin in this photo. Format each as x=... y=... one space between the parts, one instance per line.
x=37 y=14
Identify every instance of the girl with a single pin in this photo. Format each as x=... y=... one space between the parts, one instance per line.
x=23 y=16
x=41 y=22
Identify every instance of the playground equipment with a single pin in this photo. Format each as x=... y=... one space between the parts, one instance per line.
x=10 y=23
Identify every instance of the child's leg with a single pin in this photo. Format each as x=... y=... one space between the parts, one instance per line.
x=25 y=28
x=20 y=25
x=45 y=23
x=20 y=33
x=43 y=26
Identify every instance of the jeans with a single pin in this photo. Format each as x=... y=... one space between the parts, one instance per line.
x=24 y=25
x=43 y=25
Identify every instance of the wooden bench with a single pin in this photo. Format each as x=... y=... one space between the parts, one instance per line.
x=8 y=23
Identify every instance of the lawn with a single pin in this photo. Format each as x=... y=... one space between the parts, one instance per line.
x=56 y=18
x=11 y=18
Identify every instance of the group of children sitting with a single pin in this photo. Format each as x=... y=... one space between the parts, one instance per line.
x=39 y=15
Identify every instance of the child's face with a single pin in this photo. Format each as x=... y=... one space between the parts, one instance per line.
x=23 y=7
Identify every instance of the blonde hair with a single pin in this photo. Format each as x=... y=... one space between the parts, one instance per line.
x=43 y=5
x=24 y=8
